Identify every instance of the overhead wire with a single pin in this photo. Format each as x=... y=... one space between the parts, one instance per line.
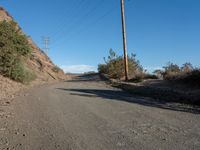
x=62 y=24
x=88 y=26
x=78 y=23
x=72 y=19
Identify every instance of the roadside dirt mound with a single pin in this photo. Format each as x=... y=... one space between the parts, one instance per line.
x=8 y=88
x=162 y=91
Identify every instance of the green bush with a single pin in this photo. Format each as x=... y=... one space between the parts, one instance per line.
x=102 y=68
x=114 y=66
x=14 y=49
x=21 y=73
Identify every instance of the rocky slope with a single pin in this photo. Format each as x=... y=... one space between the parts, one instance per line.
x=39 y=63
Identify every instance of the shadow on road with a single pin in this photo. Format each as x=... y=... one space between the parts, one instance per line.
x=118 y=95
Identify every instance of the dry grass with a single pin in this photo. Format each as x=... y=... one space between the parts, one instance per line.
x=190 y=78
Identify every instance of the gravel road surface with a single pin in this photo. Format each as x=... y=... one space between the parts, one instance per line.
x=88 y=114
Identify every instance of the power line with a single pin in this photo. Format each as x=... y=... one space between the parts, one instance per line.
x=78 y=23
x=83 y=4
x=63 y=23
x=91 y=24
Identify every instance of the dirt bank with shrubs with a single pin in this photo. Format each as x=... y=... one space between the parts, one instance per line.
x=22 y=63
x=160 y=90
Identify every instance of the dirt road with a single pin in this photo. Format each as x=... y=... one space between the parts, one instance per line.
x=87 y=114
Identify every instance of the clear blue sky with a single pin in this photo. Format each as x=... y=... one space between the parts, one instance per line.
x=82 y=31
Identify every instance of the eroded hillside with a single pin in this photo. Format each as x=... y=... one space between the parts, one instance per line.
x=38 y=62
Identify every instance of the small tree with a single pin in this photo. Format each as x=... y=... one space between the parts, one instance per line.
x=114 y=66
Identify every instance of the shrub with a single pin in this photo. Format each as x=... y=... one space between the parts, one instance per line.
x=9 y=36
x=21 y=73
x=14 y=49
x=192 y=77
x=171 y=71
x=102 y=68
x=114 y=66
x=186 y=74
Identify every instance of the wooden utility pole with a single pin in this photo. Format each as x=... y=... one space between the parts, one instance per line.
x=124 y=41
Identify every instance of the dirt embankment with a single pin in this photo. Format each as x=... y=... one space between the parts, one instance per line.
x=39 y=63
x=8 y=88
x=161 y=90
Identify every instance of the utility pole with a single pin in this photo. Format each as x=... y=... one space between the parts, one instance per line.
x=45 y=41
x=124 y=41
